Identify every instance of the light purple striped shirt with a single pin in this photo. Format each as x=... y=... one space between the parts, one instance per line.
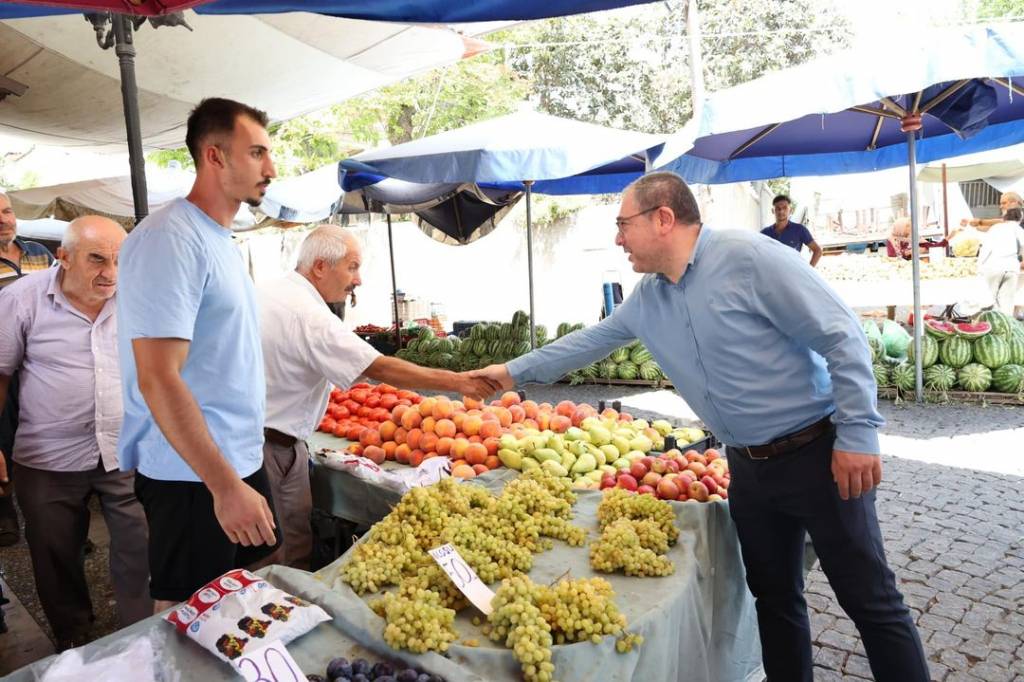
x=70 y=399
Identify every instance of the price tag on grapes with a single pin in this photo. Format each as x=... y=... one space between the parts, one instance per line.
x=464 y=577
x=269 y=663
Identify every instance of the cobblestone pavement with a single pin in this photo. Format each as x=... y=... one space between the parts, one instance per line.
x=955 y=539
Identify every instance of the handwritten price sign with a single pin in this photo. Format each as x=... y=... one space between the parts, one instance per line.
x=464 y=577
x=270 y=663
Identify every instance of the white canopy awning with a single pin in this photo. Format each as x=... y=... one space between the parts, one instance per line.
x=286 y=64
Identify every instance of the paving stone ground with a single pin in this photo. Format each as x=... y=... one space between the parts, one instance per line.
x=954 y=536
x=955 y=539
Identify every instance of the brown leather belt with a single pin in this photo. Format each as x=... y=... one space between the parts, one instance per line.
x=277 y=438
x=789 y=442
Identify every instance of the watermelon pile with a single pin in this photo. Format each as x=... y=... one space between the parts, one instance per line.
x=986 y=354
x=486 y=344
x=629 y=362
x=489 y=343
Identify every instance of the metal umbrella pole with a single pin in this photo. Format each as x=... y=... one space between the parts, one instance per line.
x=910 y=125
x=394 y=287
x=529 y=260
x=124 y=47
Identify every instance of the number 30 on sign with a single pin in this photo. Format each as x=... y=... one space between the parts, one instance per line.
x=270 y=663
x=464 y=577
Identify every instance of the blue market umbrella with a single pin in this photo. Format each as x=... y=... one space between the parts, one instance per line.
x=525 y=151
x=421 y=11
x=947 y=92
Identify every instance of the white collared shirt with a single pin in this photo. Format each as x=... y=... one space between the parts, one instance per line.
x=306 y=348
x=70 y=398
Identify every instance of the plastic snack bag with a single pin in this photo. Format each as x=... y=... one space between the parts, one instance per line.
x=239 y=610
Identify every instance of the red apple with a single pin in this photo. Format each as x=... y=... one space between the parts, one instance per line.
x=638 y=469
x=723 y=493
x=626 y=481
x=672 y=466
x=607 y=481
x=625 y=417
x=688 y=476
x=609 y=413
x=710 y=484
x=645 y=490
x=698 y=491
x=724 y=483
x=651 y=478
x=691 y=455
x=667 y=489
x=697 y=468
x=659 y=465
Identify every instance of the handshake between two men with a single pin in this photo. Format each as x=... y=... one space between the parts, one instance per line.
x=481 y=384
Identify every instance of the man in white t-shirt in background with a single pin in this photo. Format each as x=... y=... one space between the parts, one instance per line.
x=306 y=349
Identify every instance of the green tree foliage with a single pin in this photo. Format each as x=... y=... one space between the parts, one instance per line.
x=442 y=99
x=1000 y=9
x=631 y=70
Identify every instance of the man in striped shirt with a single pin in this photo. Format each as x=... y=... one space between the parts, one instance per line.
x=17 y=256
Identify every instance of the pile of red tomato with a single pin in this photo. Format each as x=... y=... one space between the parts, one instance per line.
x=363 y=407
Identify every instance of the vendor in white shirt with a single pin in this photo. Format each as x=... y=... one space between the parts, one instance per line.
x=306 y=349
x=999 y=259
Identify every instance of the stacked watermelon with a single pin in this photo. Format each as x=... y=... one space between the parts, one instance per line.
x=986 y=354
x=630 y=362
x=430 y=351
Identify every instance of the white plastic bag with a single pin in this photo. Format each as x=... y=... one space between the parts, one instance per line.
x=400 y=480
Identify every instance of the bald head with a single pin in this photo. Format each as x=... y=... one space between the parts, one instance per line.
x=91 y=228
x=330 y=258
x=88 y=255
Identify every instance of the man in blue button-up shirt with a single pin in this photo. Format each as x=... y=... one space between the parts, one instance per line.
x=770 y=358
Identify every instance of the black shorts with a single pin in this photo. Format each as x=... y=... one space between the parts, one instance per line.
x=187 y=546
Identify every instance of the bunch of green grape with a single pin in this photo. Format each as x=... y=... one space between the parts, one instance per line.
x=626 y=643
x=621 y=546
x=497 y=536
x=618 y=503
x=416 y=620
x=516 y=621
x=529 y=617
x=579 y=610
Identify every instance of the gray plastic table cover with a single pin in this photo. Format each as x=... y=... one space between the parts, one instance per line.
x=698 y=624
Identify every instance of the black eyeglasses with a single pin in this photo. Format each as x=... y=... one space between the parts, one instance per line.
x=620 y=222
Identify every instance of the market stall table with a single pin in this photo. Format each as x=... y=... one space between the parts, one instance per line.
x=698 y=624
x=180 y=659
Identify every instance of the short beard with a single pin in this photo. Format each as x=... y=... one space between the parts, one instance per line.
x=254 y=202
x=5 y=243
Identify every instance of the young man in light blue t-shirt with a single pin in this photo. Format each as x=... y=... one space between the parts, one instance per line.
x=192 y=365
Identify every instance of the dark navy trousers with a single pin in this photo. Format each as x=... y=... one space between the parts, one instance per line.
x=773 y=502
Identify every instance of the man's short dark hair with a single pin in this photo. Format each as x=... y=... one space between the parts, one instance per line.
x=1013 y=215
x=664 y=188
x=216 y=116
x=781 y=197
